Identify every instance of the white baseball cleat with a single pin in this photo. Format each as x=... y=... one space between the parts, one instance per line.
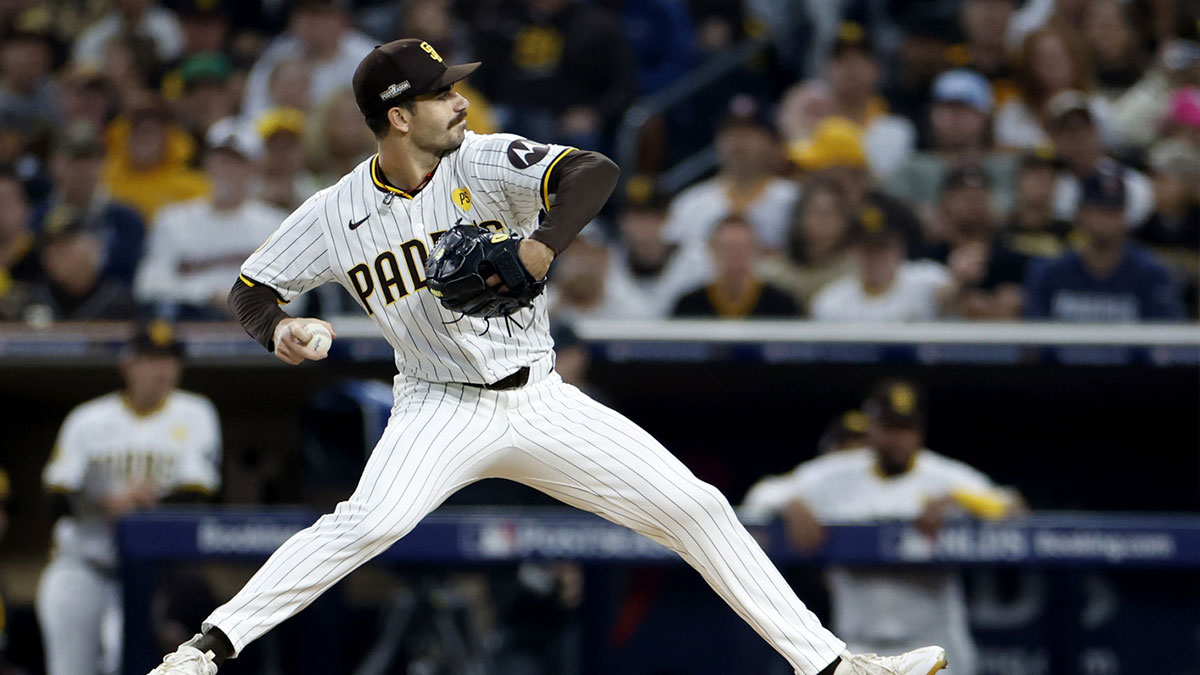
x=187 y=660
x=923 y=661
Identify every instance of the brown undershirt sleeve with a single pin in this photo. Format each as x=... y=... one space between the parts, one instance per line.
x=257 y=308
x=581 y=182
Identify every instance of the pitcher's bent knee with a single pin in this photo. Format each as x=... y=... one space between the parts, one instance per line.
x=700 y=501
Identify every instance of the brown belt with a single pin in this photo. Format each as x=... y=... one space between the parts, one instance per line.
x=517 y=379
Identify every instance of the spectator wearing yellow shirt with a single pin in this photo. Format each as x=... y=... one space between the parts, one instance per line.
x=148 y=155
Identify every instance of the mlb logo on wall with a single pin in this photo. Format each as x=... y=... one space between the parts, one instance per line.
x=395 y=90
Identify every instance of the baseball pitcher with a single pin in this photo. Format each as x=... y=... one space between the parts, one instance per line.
x=445 y=237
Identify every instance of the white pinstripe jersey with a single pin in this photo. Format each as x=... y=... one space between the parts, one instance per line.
x=373 y=240
x=105 y=447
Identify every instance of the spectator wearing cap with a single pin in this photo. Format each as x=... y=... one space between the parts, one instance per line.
x=735 y=291
x=72 y=286
x=645 y=269
x=557 y=69
x=142 y=18
x=835 y=152
x=884 y=286
x=1033 y=230
x=197 y=246
x=1051 y=60
x=854 y=76
x=1076 y=138
x=206 y=93
x=146 y=165
x=818 y=243
x=892 y=476
x=959 y=126
x=283 y=180
x=76 y=164
x=26 y=89
x=746 y=184
x=986 y=274
x=1108 y=279
x=318 y=34
x=1173 y=230
x=144 y=445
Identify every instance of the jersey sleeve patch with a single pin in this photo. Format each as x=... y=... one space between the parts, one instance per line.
x=523 y=153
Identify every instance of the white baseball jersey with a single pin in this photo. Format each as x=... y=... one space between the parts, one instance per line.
x=444 y=434
x=911 y=297
x=373 y=240
x=882 y=608
x=194 y=250
x=104 y=447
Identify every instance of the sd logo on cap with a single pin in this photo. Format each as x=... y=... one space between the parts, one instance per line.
x=399 y=71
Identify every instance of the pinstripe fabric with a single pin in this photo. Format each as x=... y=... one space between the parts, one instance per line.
x=444 y=435
x=315 y=245
x=553 y=438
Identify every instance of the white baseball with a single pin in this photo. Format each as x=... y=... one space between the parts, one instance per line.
x=320 y=340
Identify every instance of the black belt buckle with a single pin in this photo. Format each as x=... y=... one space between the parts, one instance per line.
x=517 y=379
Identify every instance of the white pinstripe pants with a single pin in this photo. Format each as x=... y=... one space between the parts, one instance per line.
x=552 y=437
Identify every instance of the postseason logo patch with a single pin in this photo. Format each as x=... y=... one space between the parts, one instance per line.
x=523 y=153
x=462 y=197
x=395 y=90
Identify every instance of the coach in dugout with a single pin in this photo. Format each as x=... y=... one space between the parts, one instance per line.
x=891 y=477
x=125 y=451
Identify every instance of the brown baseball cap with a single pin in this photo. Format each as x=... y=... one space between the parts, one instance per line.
x=400 y=71
x=896 y=402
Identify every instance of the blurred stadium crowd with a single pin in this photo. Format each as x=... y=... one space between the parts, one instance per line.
x=871 y=160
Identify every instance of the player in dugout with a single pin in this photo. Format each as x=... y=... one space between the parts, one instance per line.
x=131 y=449
x=891 y=476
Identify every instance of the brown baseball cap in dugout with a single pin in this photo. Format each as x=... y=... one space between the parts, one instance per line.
x=400 y=71
x=896 y=403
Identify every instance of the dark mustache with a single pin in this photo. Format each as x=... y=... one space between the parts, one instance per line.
x=457 y=120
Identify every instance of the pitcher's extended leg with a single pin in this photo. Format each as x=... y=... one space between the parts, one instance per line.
x=594 y=458
x=430 y=449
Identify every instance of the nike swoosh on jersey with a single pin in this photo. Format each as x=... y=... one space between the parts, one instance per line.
x=356 y=223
